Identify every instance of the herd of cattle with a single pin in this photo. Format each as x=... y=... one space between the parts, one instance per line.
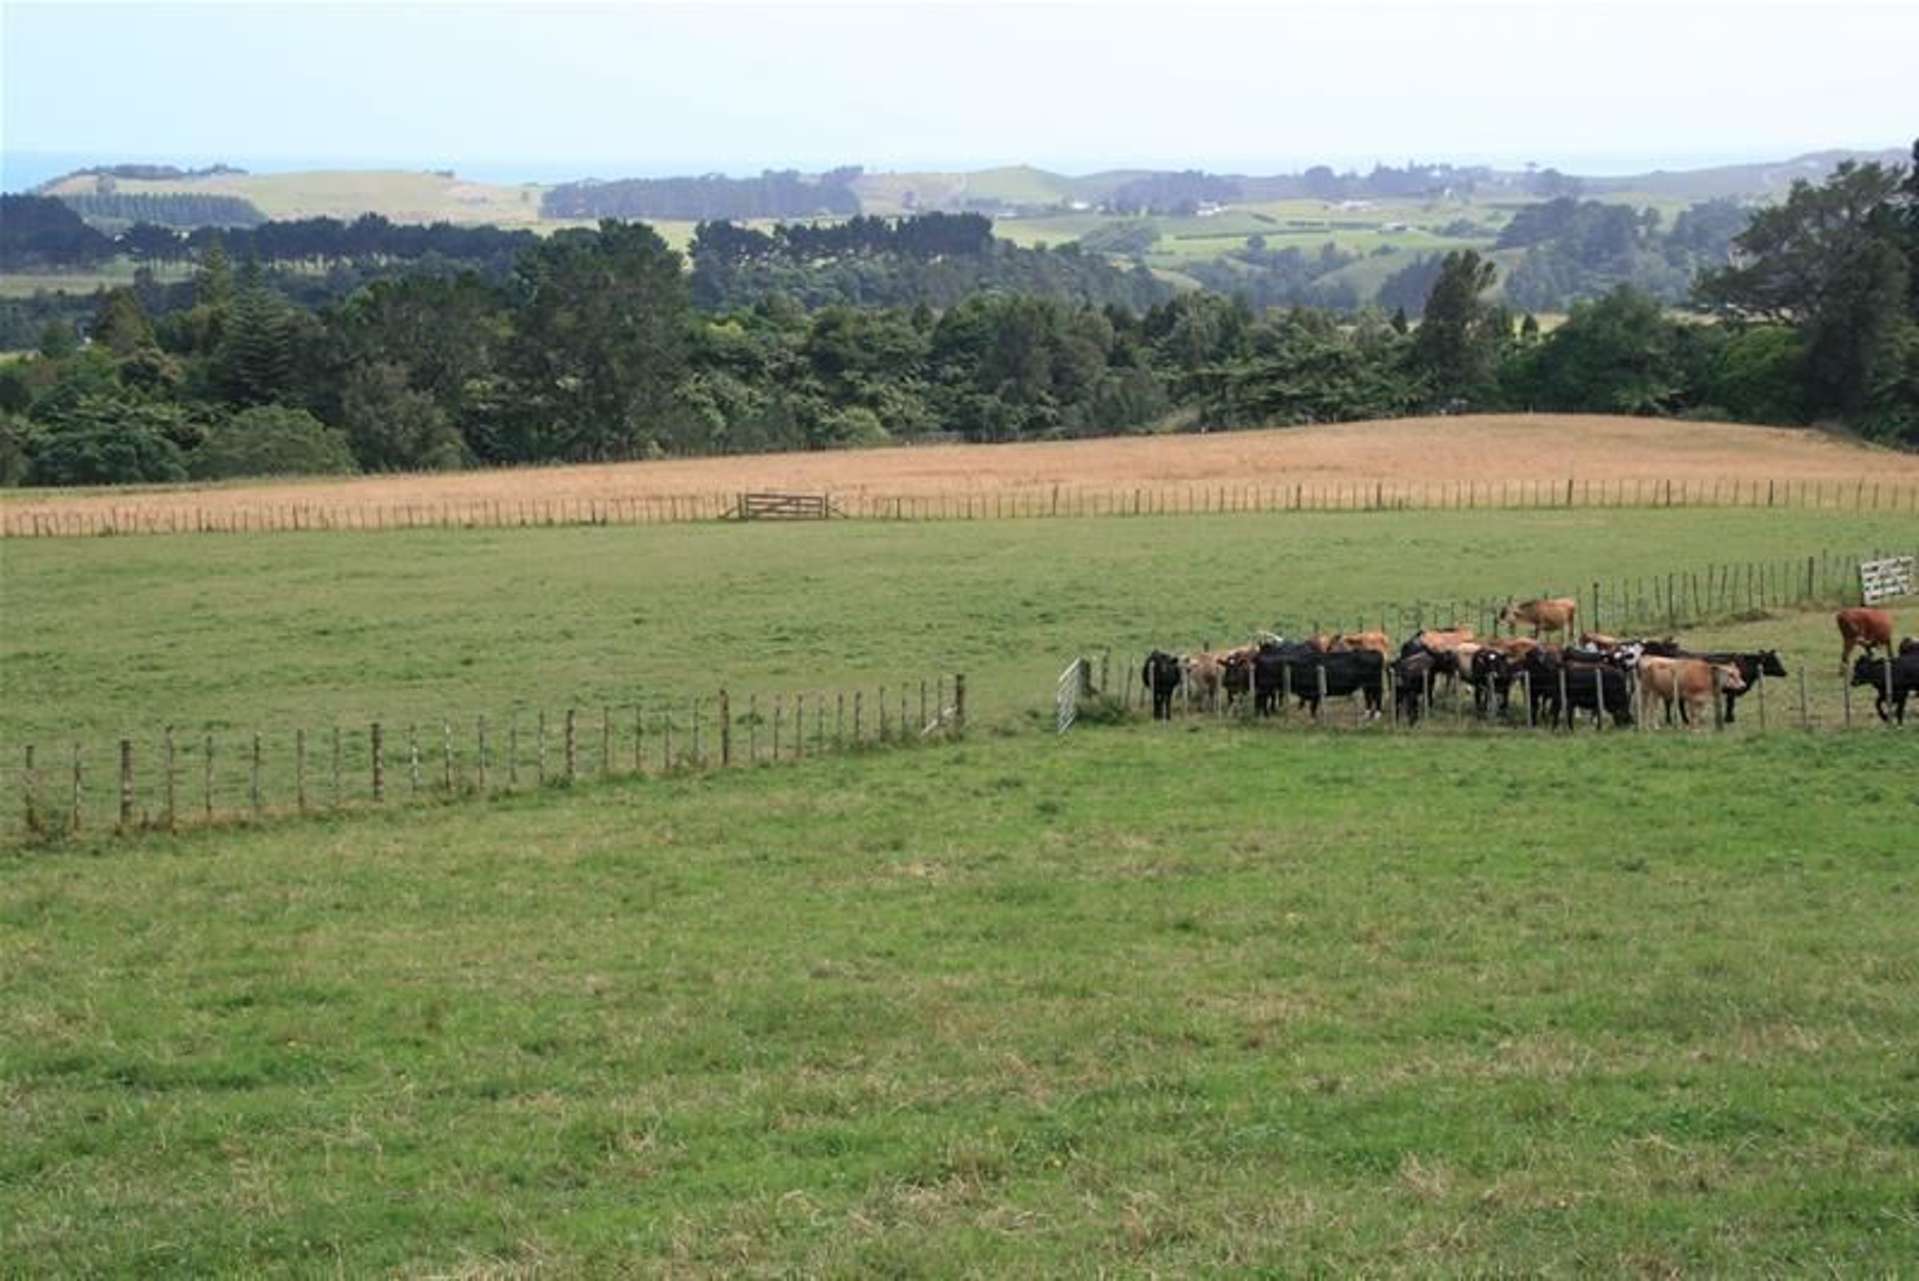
x=1600 y=675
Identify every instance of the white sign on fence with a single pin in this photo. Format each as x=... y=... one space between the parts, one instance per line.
x=1072 y=681
x=1885 y=579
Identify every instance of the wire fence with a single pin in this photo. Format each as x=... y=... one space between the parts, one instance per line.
x=201 y=513
x=171 y=779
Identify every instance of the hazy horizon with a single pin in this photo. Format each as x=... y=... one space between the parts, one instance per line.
x=505 y=92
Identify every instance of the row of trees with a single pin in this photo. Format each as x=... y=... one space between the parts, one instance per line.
x=594 y=347
x=776 y=193
x=38 y=232
x=173 y=209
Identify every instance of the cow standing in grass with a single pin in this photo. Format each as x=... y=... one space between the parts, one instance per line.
x=1161 y=675
x=1687 y=682
x=1547 y=614
x=1752 y=666
x=1868 y=629
x=1892 y=680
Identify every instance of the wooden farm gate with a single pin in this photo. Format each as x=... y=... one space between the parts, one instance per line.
x=784 y=507
x=1886 y=579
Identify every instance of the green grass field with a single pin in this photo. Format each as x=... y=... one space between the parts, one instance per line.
x=112 y=638
x=1175 y=999
x=1145 y=1001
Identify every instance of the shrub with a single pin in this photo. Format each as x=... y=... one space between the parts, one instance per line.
x=271 y=440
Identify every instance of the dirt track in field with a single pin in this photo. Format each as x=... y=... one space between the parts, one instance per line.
x=1481 y=448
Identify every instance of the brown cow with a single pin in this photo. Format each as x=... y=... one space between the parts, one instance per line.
x=1552 y=614
x=1205 y=673
x=1867 y=628
x=1443 y=641
x=1375 y=641
x=1685 y=681
x=1514 y=648
x=1598 y=640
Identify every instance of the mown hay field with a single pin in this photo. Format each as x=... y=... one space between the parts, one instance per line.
x=1588 y=449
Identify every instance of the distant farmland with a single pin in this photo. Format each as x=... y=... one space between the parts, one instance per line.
x=1495 y=448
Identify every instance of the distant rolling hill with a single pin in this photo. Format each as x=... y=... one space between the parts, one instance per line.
x=430 y=196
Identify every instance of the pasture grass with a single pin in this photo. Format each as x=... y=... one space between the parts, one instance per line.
x=1148 y=1000
x=113 y=636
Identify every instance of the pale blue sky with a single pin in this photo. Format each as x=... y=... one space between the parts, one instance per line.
x=546 y=91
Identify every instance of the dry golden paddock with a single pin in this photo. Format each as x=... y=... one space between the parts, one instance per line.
x=1495 y=448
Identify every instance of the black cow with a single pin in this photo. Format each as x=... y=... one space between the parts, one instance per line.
x=1492 y=677
x=1898 y=677
x=1278 y=668
x=1590 y=687
x=1752 y=664
x=1298 y=667
x=1161 y=674
x=1413 y=682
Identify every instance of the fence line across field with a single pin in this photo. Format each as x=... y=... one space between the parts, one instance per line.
x=55 y=519
x=173 y=778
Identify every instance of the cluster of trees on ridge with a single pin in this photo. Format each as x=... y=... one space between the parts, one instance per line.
x=781 y=193
x=595 y=347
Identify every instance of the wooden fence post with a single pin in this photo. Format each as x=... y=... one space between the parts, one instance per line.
x=254 y=777
x=379 y=764
x=446 y=756
x=126 y=784
x=858 y=696
x=779 y=721
x=542 y=750
x=959 y=702
x=30 y=789
x=726 y=729
x=572 y=746
x=839 y=698
x=299 y=772
x=1565 y=703
x=413 y=757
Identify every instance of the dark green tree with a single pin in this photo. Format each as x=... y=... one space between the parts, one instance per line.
x=392 y=427
x=254 y=362
x=599 y=344
x=120 y=324
x=1831 y=262
x=98 y=441
x=1458 y=342
x=1615 y=356
x=270 y=440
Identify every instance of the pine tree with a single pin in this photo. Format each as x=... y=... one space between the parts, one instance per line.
x=255 y=356
x=213 y=283
x=120 y=324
